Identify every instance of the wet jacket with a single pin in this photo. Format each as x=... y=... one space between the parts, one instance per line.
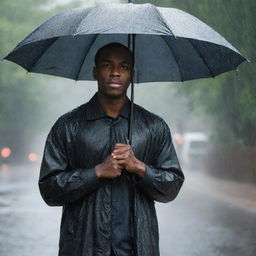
x=79 y=141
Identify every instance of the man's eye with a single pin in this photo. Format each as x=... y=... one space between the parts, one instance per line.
x=124 y=67
x=105 y=65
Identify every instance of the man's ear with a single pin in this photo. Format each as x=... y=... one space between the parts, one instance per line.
x=95 y=73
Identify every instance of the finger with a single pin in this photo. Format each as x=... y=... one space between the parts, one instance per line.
x=115 y=164
x=120 y=151
x=121 y=145
x=121 y=156
x=126 y=165
x=118 y=156
x=109 y=158
x=122 y=163
x=117 y=169
x=125 y=147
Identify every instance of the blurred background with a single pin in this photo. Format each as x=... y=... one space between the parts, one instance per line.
x=213 y=125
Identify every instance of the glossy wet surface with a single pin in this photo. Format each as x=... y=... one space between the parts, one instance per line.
x=199 y=222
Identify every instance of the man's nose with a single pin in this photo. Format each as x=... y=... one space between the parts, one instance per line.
x=115 y=71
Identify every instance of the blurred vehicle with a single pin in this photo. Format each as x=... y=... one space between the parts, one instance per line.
x=5 y=154
x=10 y=155
x=191 y=148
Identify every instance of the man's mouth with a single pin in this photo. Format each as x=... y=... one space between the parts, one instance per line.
x=114 y=84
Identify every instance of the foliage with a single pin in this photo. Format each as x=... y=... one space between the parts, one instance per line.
x=229 y=98
x=16 y=97
x=20 y=93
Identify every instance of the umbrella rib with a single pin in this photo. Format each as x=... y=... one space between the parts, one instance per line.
x=40 y=56
x=164 y=21
x=176 y=59
x=201 y=56
x=83 y=59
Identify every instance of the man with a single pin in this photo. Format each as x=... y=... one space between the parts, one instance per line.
x=107 y=188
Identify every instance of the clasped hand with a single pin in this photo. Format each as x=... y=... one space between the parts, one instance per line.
x=121 y=158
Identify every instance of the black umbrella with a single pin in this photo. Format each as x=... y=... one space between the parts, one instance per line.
x=168 y=44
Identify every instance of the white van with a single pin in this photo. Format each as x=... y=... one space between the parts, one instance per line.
x=192 y=148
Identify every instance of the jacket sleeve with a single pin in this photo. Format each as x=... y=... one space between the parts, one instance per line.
x=59 y=184
x=164 y=177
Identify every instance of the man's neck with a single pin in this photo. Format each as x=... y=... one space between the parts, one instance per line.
x=111 y=106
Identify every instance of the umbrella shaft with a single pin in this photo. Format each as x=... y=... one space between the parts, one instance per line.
x=131 y=45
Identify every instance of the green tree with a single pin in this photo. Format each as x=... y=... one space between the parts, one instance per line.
x=19 y=93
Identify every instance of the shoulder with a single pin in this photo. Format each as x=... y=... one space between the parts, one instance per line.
x=150 y=119
x=70 y=119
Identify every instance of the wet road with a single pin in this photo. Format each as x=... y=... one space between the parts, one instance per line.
x=200 y=222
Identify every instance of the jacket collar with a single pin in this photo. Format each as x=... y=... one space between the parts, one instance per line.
x=94 y=110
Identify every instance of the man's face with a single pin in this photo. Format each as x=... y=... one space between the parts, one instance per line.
x=113 y=72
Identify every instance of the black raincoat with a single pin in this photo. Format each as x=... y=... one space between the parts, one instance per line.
x=79 y=141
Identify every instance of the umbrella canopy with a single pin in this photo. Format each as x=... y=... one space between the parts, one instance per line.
x=170 y=44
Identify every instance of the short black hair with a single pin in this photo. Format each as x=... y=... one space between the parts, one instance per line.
x=111 y=45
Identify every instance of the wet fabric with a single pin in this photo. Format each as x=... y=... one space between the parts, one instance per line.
x=121 y=196
x=170 y=44
x=77 y=142
x=122 y=241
